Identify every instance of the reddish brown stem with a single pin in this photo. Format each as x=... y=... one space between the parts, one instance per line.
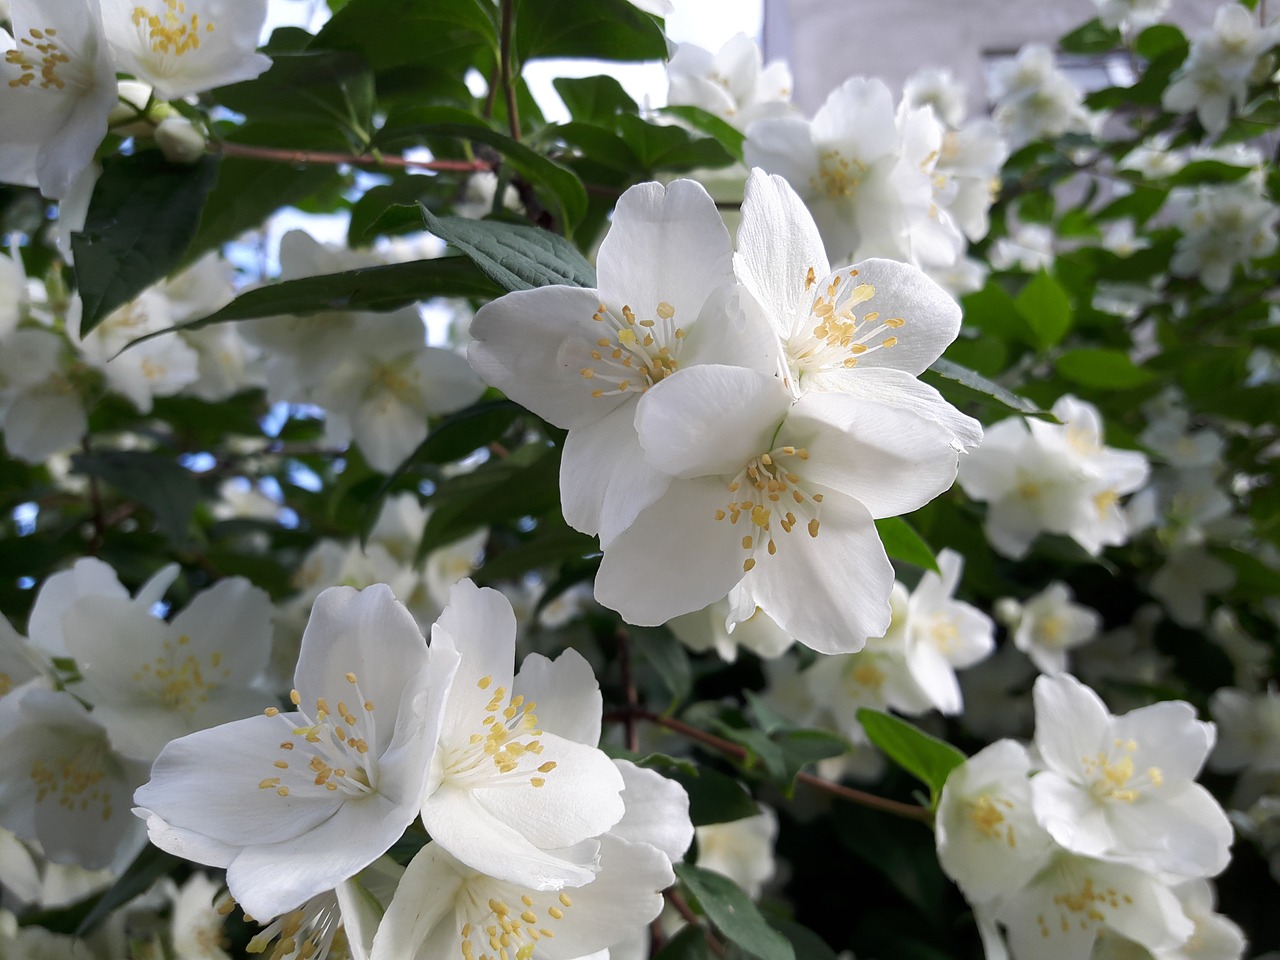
x=691 y=918
x=279 y=155
x=862 y=798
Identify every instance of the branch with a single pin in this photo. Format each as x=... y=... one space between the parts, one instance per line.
x=691 y=918
x=504 y=67
x=280 y=155
x=907 y=810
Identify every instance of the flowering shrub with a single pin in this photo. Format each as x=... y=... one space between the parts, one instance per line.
x=672 y=532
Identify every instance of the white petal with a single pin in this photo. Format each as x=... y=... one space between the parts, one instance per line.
x=479 y=623
x=657 y=811
x=567 y=695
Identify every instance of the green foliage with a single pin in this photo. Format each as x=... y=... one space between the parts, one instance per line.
x=925 y=757
x=141 y=220
x=734 y=914
x=515 y=257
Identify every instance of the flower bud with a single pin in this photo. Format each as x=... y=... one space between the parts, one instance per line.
x=179 y=141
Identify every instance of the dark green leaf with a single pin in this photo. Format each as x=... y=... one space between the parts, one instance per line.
x=464 y=432
x=925 y=757
x=512 y=256
x=329 y=87
x=714 y=797
x=1102 y=369
x=690 y=943
x=249 y=191
x=953 y=371
x=807 y=944
x=1093 y=37
x=141 y=220
x=152 y=864
x=1206 y=171
x=562 y=191
x=398 y=33
x=551 y=545
x=734 y=914
x=668 y=657
x=594 y=99
x=993 y=311
x=164 y=487
x=664 y=147
x=378 y=288
x=803 y=747
x=1046 y=308
x=596 y=29
x=901 y=542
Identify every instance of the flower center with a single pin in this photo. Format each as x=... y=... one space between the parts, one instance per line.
x=506 y=743
x=336 y=753
x=1113 y=775
x=987 y=814
x=493 y=931
x=770 y=494
x=312 y=932
x=39 y=58
x=831 y=335
x=171 y=31
x=179 y=682
x=838 y=177
x=634 y=354
x=1083 y=905
x=77 y=779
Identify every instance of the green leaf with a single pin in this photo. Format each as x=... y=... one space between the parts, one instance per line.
x=803 y=747
x=1046 y=308
x=668 y=657
x=993 y=311
x=152 y=864
x=141 y=220
x=462 y=433
x=714 y=797
x=595 y=29
x=560 y=188
x=807 y=944
x=1160 y=39
x=690 y=943
x=901 y=542
x=1102 y=369
x=378 y=288
x=399 y=33
x=728 y=136
x=249 y=191
x=1206 y=171
x=733 y=913
x=980 y=384
x=594 y=99
x=515 y=257
x=925 y=757
x=662 y=147
x=552 y=544
x=1093 y=37
x=329 y=87
x=164 y=487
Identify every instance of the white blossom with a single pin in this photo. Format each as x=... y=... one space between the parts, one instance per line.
x=734 y=84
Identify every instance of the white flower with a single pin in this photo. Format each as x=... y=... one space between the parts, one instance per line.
x=294 y=803
x=182 y=47
x=150 y=681
x=1062 y=912
x=741 y=850
x=386 y=383
x=1122 y=788
x=939 y=89
x=1223 y=226
x=868 y=330
x=1050 y=624
x=773 y=501
x=1131 y=14
x=67 y=788
x=1034 y=99
x=88 y=578
x=444 y=908
x=944 y=634
x=518 y=788
x=57 y=86
x=705 y=630
x=1189 y=575
x=733 y=84
x=988 y=839
x=1249 y=725
x=1057 y=478
x=197 y=920
x=865 y=171
x=582 y=358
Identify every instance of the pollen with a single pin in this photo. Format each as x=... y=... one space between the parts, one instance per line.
x=172 y=31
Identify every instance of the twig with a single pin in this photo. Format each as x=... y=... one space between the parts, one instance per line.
x=335 y=158
x=691 y=918
x=504 y=65
x=629 y=688
x=907 y=810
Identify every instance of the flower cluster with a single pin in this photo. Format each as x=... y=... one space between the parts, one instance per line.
x=60 y=65
x=1055 y=478
x=1101 y=836
x=746 y=416
x=535 y=833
